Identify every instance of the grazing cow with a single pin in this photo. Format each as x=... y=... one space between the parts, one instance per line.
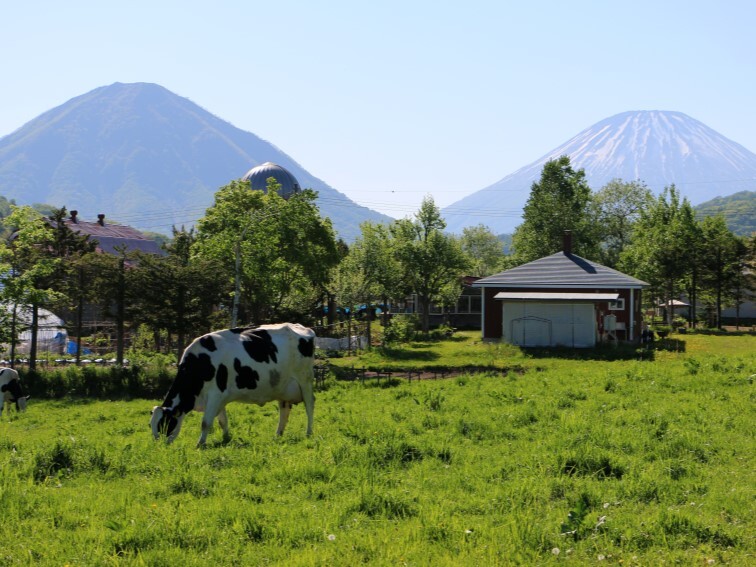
x=255 y=365
x=10 y=386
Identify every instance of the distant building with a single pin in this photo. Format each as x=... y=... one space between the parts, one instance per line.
x=258 y=179
x=561 y=300
x=465 y=314
x=111 y=236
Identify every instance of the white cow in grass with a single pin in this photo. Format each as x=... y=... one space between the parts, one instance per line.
x=10 y=387
x=255 y=365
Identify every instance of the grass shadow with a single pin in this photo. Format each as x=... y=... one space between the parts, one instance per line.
x=414 y=353
x=601 y=352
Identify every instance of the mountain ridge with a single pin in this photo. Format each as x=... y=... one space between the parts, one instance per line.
x=128 y=149
x=656 y=147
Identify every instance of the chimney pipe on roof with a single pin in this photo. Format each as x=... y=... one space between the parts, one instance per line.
x=101 y=219
x=73 y=216
x=567 y=242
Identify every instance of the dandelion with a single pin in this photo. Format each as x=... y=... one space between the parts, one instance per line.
x=331 y=537
x=555 y=551
x=468 y=532
x=710 y=562
x=601 y=557
x=606 y=505
x=154 y=506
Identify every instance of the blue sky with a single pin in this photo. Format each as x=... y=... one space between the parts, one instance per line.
x=390 y=101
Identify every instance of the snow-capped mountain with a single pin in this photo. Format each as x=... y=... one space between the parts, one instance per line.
x=659 y=148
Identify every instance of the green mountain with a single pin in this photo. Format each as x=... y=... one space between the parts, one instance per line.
x=146 y=157
x=739 y=210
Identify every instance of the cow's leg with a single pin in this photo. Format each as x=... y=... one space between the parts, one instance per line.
x=223 y=420
x=308 y=395
x=211 y=410
x=284 y=409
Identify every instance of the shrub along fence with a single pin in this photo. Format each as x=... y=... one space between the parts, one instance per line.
x=97 y=382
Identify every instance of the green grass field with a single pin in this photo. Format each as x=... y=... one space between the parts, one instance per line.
x=606 y=457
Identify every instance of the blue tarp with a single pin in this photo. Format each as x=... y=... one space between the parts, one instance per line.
x=71 y=348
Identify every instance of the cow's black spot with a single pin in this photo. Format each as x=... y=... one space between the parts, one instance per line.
x=306 y=347
x=193 y=372
x=246 y=377
x=259 y=345
x=221 y=377
x=208 y=342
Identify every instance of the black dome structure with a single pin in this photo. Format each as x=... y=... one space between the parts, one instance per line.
x=258 y=179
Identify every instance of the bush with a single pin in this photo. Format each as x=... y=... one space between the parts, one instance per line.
x=98 y=382
x=402 y=329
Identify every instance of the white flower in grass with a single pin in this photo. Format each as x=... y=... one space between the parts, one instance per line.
x=601 y=557
x=555 y=551
x=331 y=537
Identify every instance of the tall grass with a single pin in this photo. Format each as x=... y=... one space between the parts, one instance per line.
x=588 y=459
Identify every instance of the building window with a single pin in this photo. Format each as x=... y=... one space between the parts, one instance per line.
x=618 y=305
x=463 y=304
x=475 y=304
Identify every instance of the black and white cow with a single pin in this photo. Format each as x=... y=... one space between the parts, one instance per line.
x=10 y=387
x=256 y=365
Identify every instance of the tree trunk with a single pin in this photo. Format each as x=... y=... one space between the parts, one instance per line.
x=34 y=332
x=425 y=302
x=368 y=329
x=14 y=337
x=79 y=316
x=120 y=307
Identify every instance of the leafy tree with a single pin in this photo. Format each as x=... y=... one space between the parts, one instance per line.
x=484 y=250
x=69 y=277
x=430 y=259
x=370 y=272
x=721 y=263
x=616 y=208
x=282 y=250
x=660 y=252
x=28 y=283
x=559 y=201
x=110 y=289
x=176 y=292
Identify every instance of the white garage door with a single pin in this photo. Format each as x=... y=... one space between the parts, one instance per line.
x=532 y=324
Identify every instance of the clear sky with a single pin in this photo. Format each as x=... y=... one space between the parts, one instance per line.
x=389 y=101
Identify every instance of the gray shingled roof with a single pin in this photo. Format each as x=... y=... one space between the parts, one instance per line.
x=109 y=236
x=561 y=270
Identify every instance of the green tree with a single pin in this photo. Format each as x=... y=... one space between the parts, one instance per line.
x=430 y=259
x=559 y=201
x=370 y=272
x=280 y=251
x=616 y=208
x=660 y=252
x=28 y=283
x=175 y=293
x=109 y=288
x=484 y=250
x=721 y=264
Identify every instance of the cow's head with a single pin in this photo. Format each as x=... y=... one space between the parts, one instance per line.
x=165 y=422
x=11 y=392
x=21 y=403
